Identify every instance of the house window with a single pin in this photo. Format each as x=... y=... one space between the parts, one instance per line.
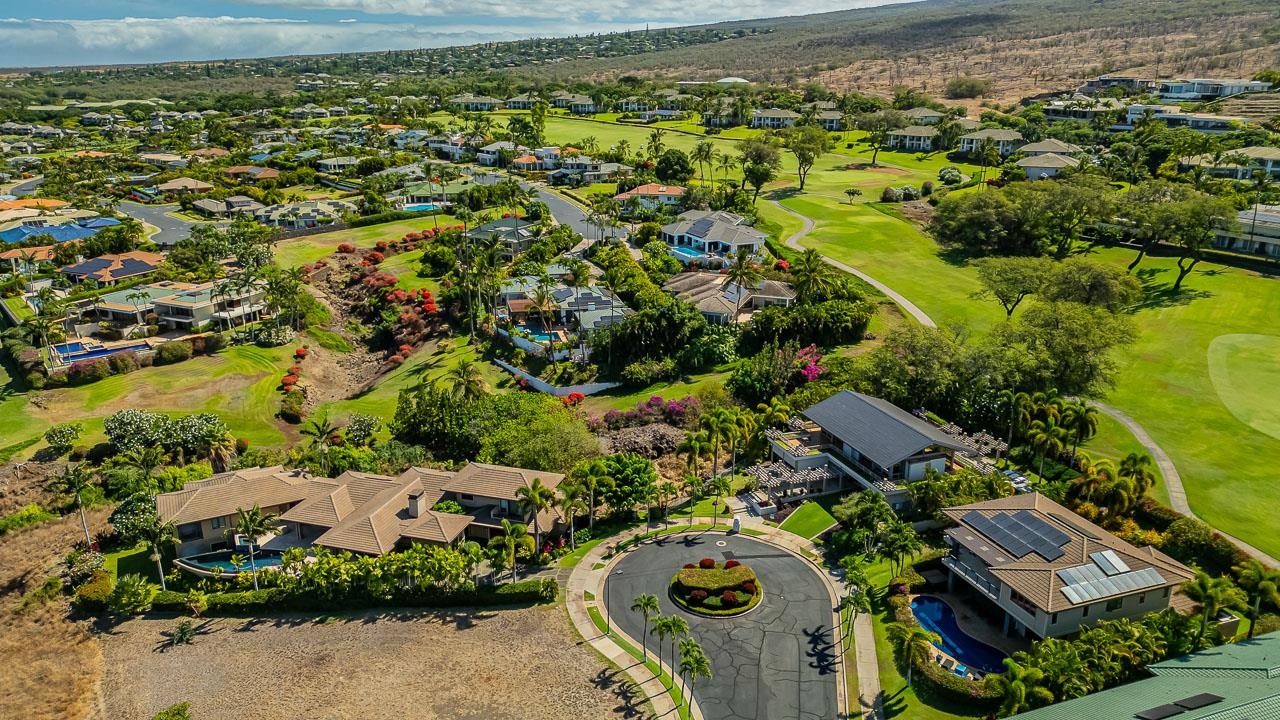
x=1054 y=619
x=218 y=523
x=465 y=496
x=1166 y=592
x=1114 y=605
x=189 y=531
x=1142 y=599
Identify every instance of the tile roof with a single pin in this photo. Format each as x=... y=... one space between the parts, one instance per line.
x=224 y=493
x=107 y=268
x=879 y=430
x=1040 y=580
x=657 y=189
x=1050 y=145
x=1047 y=160
x=497 y=481
x=997 y=134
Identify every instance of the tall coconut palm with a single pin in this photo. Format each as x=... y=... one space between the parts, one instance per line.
x=1138 y=469
x=677 y=627
x=693 y=664
x=74 y=480
x=571 y=506
x=1020 y=687
x=694 y=446
x=1081 y=421
x=253 y=524
x=594 y=477
x=322 y=432
x=647 y=605
x=1047 y=437
x=855 y=601
x=1213 y=594
x=704 y=153
x=534 y=499
x=661 y=628
x=159 y=537
x=1020 y=409
x=774 y=414
x=145 y=459
x=466 y=382
x=811 y=276
x=745 y=274
x=1260 y=583
x=912 y=643
x=545 y=305
x=514 y=537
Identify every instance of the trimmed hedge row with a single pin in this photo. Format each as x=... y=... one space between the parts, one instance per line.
x=933 y=678
x=276 y=599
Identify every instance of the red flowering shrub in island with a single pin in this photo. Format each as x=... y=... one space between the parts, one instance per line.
x=698 y=596
x=749 y=587
x=300 y=353
x=728 y=564
x=572 y=399
x=295 y=369
x=395 y=359
x=782 y=265
x=405 y=350
x=712 y=589
x=690 y=566
x=707 y=563
x=347 y=248
x=729 y=599
x=288 y=380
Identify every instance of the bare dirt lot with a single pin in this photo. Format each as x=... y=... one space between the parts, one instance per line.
x=464 y=665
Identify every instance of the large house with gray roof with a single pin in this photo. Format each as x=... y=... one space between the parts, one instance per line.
x=1050 y=571
x=358 y=512
x=710 y=234
x=1228 y=682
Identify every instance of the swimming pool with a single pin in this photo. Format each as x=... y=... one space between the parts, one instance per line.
x=541 y=337
x=688 y=253
x=936 y=616
x=65 y=348
x=76 y=351
x=221 y=559
x=422 y=207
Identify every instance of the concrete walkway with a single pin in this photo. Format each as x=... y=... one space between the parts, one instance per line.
x=1177 y=494
x=584 y=578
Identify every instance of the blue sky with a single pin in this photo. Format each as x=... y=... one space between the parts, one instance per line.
x=73 y=32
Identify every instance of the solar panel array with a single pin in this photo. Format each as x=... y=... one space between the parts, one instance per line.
x=1020 y=533
x=1195 y=702
x=1085 y=583
x=701 y=227
x=1160 y=712
x=1109 y=561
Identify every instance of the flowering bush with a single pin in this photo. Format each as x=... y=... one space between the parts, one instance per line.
x=782 y=265
x=396 y=359
x=295 y=369
x=729 y=598
x=300 y=353
x=655 y=409
x=731 y=564
x=381 y=246
x=347 y=248
x=749 y=587
x=698 y=596
x=288 y=380
x=405 y=350
x=707 y=563
x=374 y=257
x=573 y=398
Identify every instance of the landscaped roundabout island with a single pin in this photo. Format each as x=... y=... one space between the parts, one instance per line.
x=716 y=589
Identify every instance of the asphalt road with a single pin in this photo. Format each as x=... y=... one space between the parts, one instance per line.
x=171 y=229
x=565 y=212
x=774 y=663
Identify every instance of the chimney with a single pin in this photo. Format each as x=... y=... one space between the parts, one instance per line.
x=417 y=503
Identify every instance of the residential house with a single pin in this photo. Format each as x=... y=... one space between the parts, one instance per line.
x=513 y=235
x=721 y=113
x=1257 y=232
x=234 y=205
x=1256 y=157
x=1083 y=108
x=413 y=139
x=337 y=165
x=525 y=101
x=184 y=186
x=305 y=214
x=915 y=138
x=475 y=103
x=851 y=441
x=1050 y=571
x=251 y=173
x=830 y=120
x=114 y=268
x=774 y=118
x=1236 y=680
x=455 y=147
x=584 y=169
x=210 y=304
x=26 y=260
x=1046 y=165
x=651 y=196
x=722 y=302
x=208 y=153
x=527 y=163
x=309 y=111
x=582 y=105
x=358 y=512
x=924 y=116
x=1175 y=116
x=1129 y=83
x=491 y=154
x=58 y=228
x=1006 y=141
x=1207 y=88
x=1050 y=145
x=428 y=192
x=710 y=234
x=132 y=305
x=633 y=104
x=163 y=160
x=562 y=98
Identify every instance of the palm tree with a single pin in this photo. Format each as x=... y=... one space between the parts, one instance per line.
x=776 y=413
x=704 y=153
x=661 y=628
x=321 y=431
x=1020 y=687
x=647 y=606
x=677 y=628
x=694 y=447
x=593 y=477
x=1261 y=583
x=912 y=644
x=726 y=164
x=718 y=425
x=744 y=274
x=987 y=155
x=145 y=459
x=253 y=524
x=693 y=664
x=811 y=276
x=534 y=498
x=856 y=601
x=1046 y=437
x=466 y=382
x=74 y=480
x=719 y=487
x=1081 y=421
x=545 y=304
x=571 y=506
x=1214 y=594
x=515 y=536
x=159 y=535
x=1260 y=183
x=1137 y=468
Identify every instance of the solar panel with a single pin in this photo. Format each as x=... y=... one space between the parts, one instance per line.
x=700 y=228
x=1196 y=702
x=1109 y=561
x=1159 y=712
x=1088 y=582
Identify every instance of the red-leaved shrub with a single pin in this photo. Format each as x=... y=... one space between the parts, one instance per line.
x=729 y=598
x=346 y=248
x=698 y=596
x=731 y=564
x=690 y=566
x=749 y=587
x=706 y=563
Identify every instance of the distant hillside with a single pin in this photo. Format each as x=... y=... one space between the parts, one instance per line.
x=1022 y=46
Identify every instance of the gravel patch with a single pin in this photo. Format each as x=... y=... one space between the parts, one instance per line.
x=463 y=665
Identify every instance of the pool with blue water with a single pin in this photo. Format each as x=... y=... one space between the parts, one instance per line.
x=937 y=616
x=73 y=352
x=421 y=207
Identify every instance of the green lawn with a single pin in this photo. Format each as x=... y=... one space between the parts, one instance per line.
x=405 y=267
x=132 y=561
x=310 y=248
x=623 y=399
x=809 y=519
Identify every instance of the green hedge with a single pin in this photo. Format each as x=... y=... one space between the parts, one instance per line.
x=390 y=216
x=277 y=599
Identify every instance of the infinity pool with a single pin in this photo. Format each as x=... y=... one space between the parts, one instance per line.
x=221 y=559
x=688 y=253
x=937 y=616
x=71 y=352
x=421 y=207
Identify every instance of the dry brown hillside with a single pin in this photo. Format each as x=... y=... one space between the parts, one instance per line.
x=1023 y=46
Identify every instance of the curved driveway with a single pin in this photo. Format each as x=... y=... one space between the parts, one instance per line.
x=776 y=662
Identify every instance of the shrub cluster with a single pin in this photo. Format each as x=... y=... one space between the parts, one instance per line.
x=656 y=409
x=274 y=598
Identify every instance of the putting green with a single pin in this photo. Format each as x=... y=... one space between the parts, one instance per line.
x=1245 y=370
